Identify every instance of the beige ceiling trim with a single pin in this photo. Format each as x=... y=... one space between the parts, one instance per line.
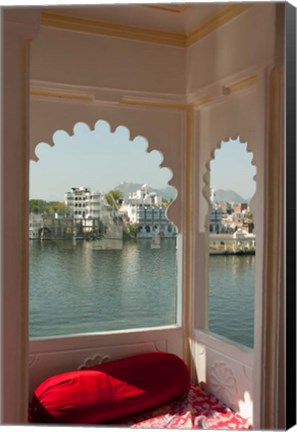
x=228 y=12
x=151 y=103
x=169 y=7
x=157 y=103
x=220 y=18
x=201 y=101
x=60 y=94
x=240 y=85
x=68 y=22
x=87 y=97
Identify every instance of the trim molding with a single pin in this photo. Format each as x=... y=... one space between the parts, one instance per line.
x=61 y=94
x=154 y=103
x=201 y=101
x=56 y=93
x=151 y=103
x=240 y=85
x=80 y=96
x=69 y=22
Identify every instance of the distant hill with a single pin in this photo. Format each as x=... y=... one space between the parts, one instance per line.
x=168 y=193
x=229 y=196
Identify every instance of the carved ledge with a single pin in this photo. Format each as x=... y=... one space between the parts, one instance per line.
x=96 y=360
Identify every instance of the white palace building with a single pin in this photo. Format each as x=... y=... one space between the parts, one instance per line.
x=145 y=208
x=83 y=203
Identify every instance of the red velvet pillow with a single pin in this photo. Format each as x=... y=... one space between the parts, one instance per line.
x=110 y=391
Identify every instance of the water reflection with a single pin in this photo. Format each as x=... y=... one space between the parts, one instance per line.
x=231 y=297
x=76 y=289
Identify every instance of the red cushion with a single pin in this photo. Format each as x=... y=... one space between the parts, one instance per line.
x=110 y=391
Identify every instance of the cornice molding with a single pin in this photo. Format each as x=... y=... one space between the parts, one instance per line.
x=92 y=26
x=67 y=22
x=223 y=16
x=169 y=7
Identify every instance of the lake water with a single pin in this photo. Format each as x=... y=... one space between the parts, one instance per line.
x=75 y=289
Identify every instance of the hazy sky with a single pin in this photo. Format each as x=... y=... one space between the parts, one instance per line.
x=101 y=160
x=232 y=169
x=97 y=159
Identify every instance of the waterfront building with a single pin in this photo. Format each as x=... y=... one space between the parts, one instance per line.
x=35 y=225
x=151 y=220
x=88 y=214
x=239 y=242
x=83 y=203
x=215 y=220
x=144 y=208
x=91 y=213
x=143 y=196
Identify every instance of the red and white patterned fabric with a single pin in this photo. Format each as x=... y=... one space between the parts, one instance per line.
x=196 y=410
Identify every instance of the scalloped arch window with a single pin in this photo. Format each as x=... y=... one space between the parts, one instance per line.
x=99 y=265
x=232 y=244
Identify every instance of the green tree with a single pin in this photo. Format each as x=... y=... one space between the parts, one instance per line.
x=37 y=206
x=166 y=202
x=133 y=228
x=113 y=197
x=56 y=207
x=47 y=208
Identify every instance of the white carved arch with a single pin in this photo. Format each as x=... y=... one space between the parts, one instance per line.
x=206 y=176
x=225 y=367
x=132 y=135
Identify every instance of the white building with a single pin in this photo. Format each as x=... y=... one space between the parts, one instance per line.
x=215 y=220
x=143 y=196
x=91 y=209
x=83 y=203
x=145 y=209
x=151 y=219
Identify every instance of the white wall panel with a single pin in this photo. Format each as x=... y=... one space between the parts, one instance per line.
x=100 y=61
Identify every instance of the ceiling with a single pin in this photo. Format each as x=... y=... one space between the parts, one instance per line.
x=181 y=18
